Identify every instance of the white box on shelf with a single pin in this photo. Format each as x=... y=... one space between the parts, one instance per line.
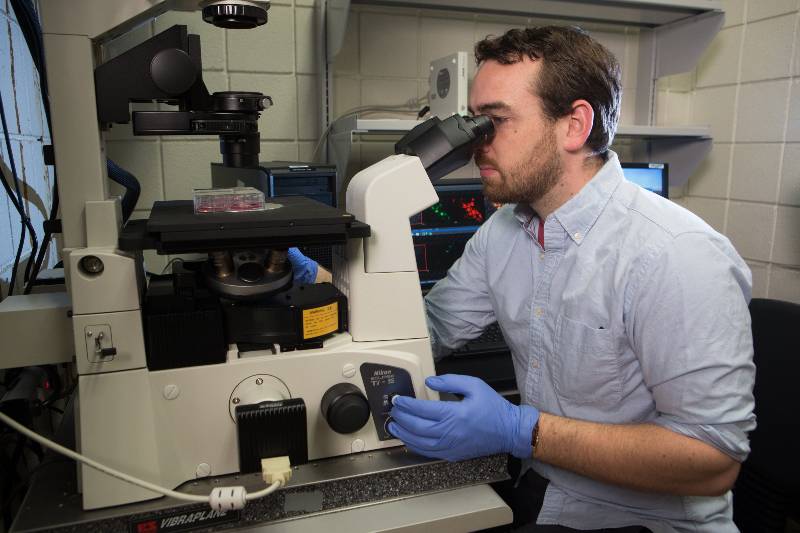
x=448 y=85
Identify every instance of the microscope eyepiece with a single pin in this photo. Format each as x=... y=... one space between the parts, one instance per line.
x=445 y=145
x=481 y=126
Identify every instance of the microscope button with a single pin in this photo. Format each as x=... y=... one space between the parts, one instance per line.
x=357 y=445
x=348 y=370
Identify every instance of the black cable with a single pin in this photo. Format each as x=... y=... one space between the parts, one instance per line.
x=17 y=257
x=423 y=111
x=28 y=20
x=11 y=194
x=19 y=204
x=132 y=188
x=25 y=221
x=46 y=239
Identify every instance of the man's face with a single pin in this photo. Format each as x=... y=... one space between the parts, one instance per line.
x=521 y=163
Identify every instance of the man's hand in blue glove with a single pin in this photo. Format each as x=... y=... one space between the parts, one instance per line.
x=483 y=423
x=304 y=268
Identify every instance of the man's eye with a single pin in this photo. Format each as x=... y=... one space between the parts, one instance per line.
x=498 y=120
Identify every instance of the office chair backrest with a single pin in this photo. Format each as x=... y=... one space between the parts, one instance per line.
x=768 y=487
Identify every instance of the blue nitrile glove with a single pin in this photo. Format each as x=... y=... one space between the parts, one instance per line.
x=483 y=423
x=305 y=268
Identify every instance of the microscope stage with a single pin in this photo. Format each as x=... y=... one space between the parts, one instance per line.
x=173 y=227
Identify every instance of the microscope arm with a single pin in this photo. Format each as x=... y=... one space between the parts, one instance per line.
x=383 y=283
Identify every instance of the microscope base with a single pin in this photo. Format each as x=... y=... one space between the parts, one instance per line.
x=372 y=486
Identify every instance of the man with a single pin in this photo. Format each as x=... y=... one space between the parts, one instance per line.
x=625 y=314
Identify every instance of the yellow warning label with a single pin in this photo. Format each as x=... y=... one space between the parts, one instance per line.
x=320 y=320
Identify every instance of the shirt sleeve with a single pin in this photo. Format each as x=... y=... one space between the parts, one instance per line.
x=689 y=325
x=458 y=308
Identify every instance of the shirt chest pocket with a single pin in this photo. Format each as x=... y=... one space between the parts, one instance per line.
x=586 y=364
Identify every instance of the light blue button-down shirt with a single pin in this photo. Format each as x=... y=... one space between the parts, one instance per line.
x=634 y=312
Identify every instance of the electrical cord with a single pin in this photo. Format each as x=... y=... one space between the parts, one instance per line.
x=170 y=263
x=119 y=175
x=28 y=21
x=13 y=199
x=46 y=240
x=407 y=107
x=25 y=222
x=221 y=498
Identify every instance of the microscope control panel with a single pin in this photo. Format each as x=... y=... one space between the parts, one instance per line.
x=383 y=383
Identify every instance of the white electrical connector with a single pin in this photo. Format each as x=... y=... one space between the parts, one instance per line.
x=227 y=498
x=276 y=469
x=220 y=499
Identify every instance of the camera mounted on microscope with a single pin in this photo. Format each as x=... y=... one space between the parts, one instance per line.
x=167 y=68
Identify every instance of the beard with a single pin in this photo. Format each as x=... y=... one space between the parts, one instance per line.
x=530 y=179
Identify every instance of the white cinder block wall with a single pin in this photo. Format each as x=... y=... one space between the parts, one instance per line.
x=19 y=85
x=747 y=87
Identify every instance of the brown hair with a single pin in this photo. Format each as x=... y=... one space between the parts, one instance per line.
x=574 y=66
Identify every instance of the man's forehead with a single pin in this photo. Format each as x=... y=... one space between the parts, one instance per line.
x=497 y=86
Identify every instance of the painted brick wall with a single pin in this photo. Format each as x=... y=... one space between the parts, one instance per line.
x=19 y=85
x=747 y=87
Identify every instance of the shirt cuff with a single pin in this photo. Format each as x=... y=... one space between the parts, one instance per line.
x=730 y=439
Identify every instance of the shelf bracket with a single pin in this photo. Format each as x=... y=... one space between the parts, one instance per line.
x=683 y=155
x=671 y=49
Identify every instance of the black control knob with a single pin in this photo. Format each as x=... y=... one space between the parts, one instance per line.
x=345 y=408
x=173 y=71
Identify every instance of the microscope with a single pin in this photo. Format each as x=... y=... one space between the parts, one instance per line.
x=224 y=362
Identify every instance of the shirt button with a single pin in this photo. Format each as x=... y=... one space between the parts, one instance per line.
x=535 y=363
x=541 y=256
x=538 y=312
x=577 y=235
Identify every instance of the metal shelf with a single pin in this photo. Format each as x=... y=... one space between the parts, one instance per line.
x=647 y=13
x=399 y=125
x=683 y=147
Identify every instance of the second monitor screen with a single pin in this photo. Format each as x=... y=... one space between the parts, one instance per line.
x=441 y=232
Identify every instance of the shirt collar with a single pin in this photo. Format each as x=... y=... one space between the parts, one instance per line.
x=578 y=215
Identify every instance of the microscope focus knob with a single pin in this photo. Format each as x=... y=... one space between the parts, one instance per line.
x=173 y=71
x=345 y=408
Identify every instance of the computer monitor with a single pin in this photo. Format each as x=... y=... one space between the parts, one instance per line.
x=441 y=231
x=651 y=176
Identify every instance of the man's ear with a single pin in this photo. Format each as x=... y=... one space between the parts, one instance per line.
x=579 y=125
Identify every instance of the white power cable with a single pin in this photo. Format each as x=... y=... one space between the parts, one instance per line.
x=221 y=498
x=404 y=108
